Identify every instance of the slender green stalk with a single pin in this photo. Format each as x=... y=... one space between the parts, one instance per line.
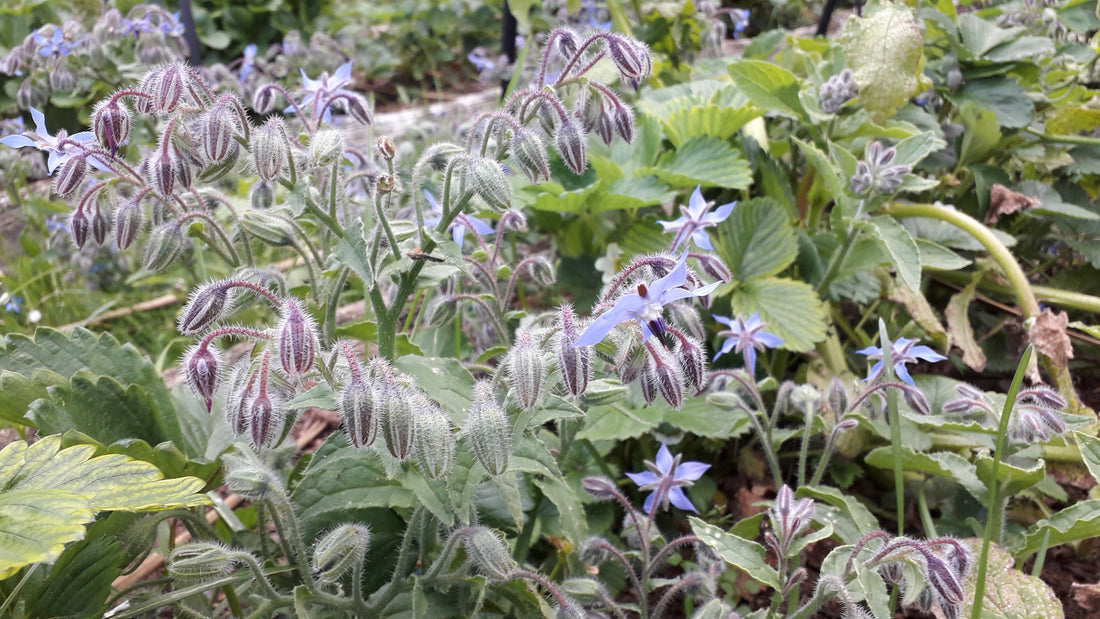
x=803 y=452
x=333 y=302
x=1040 y=557
x=838 y=257
x=996 y=508
x=925 y=515
x=895 y=424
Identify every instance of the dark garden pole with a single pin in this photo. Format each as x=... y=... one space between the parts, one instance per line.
x=194 y=52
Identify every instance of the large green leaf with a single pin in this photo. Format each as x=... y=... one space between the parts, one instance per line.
x=1090 y=452
x=715 y=121
x=901 y=248
x=617 y=422
x=757 y=240
x=745 y=555
x=980 y=133
x=444 y=380
x=1077 y=522
x=863 y=520
x=704 y=161
x=1010 y=593
x=48 y=494
x=771 y=87
x=19 y=391
x=1012 y=478
x=791 y=308
x=1001 y=95
x=944 y=464
x=826 y=170
x=979 y=36
x=351 y=251
x=886 y=52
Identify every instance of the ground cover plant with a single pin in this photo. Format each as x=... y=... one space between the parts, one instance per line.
x=804 y=331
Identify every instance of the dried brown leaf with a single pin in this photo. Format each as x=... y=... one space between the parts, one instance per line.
x=1051 y=338
x=1004 y=201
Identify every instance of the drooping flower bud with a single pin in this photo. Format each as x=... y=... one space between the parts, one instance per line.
x=435 y=440
x=163 y=245
x=622 y=118
x=398 y=419
x=488 y=181
x=129 y=217
x=268 y=227
x=265 y=417
x=665 y=374
x=358 y=109
x=238 y=395
x=262 y=196
x=602 y=125
x=326 y=147
x=526 y=369
x=216 y=135
x=649 y=388
x=487 y=552
x=62 y=78
x=144 y=105
x=202 y=369
x=574 y=363
x=530 y=152
x=600 y=488
x=200 y=561
x=631 y=58
x=101 y=226
x=566 y=43
x=269 y=150
x=206 y=304
x=836 y=397
x=263 y=102
x=339 y=550
x=297 y=338
x=111 y=124
x=358 y=409
x=693 y=362
x=569 y=141
x=169 y=88
x=70 y=175
x=487 y=430
x=161 y=172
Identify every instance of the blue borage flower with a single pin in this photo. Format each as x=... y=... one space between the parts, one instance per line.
x=59 y=147
x=248 y=61
x=319 y=91
x=667 y=478
x=902 y=352
x=459 y=225
x=746 y=337
x=695 y=220
x=646 y=306
x=57 y=44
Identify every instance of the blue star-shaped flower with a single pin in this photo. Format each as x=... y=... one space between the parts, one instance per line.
x=667 y=478
x=56 y=44
x=746 y=337
x=902 y=352
x=248 y=62
x=647 y=306
x=460 y=223
x=42 y=140
x=319 y=91
x=695 y=220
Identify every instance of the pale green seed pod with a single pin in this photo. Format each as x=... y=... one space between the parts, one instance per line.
x=487 y=430
x=488 y=181
x=526 y=369
x=270 y=229
x=435 y=440
x=339 y=550
x=200 y=561
x=487 y=552
x=165 y=242
x=398 y=419
x=530 y=152
x=326 y=147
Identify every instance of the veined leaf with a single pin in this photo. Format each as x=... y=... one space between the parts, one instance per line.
x=901 y=248
x=769 y=86
x=743 y=554
x=716 y=121
x=757 y=240
x=1074 y=523
x=1090 y=452
x=704 y=161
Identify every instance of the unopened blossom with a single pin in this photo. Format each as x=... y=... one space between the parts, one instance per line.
x=667 y=478
x=902 y=352
x=695 y=220
x=746 y=337
x=646 y=306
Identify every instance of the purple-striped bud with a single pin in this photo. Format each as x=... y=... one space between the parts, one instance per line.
x=61 y=78
x=33 y=92
x=915 y=399
x=237 y=398
x=526 y=370
x=686 y=318
x=789 y=517
x=945 y=583
x=161 y=174
x=205 y=305
x=111 y=124
x=211 y=172
x=79 y=226
x=435 y=440
x=265 y=419
x=398 y=419
x=602 y=126
x=487 y=430
x=566 y=43
x=297 y=338
x=622 y=118
x=169 y=88
x=530 y=153
x=263 y=102
x=665 y=374
x=216 y=135
x=101 y=226
x=357 y=408
x=836 y=396
x=631 y=58
x=649 y=388
x=129 y=217
x=600 y=488
x=269 y=151
x=630 y=364
x=487 y=180
x=202 y=369
x=70 y=175
x=358 y=109
x=165 y=242
x=144 y=105
x=693 y=362
x=574 y=363
x=569 y=141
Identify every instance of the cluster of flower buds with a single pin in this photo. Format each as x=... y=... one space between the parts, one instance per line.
x=838 y=90
x=1035 y=415
x=876 y=172
x=943 y=564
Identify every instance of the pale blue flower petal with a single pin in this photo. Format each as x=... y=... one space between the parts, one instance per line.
x=643 y=478
x=677 y=497
x=664 y=459
x=690 y=471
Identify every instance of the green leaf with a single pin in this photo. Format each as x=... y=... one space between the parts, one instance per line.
x=1010 y=593
x=570 y=510
x=714 y=121
x=944 y=464
x=444 y=380
x=1073 y=120
x=825 y=169
x=885 y=50
x=757 y=240
x=49 y=494
x=1077 y=522
x=980 y=133
x=1001 y=95
x=771 y=87
x=616 y=422
x=1012 y=478
x=938 y=257
x=901 y=248
x=704 y=161
x=351 y=251
x=980 y=36
x=913 y=149
x=19 y=391
x=1090 y=452
x=702 y=419
x=791 y=308
x=1023 y=48
x=430 y=493
x=745 y=555
x=861 y=517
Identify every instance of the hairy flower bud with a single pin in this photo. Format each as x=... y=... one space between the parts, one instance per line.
x=326 y=147
x=622 y=118
x=487 y=552
x=161 y=174
x=569 y=141
x=129 y=217
x=600 y=488
x=202 y=369
x=169 y=88
x=237 y=397
x=265 y=418
x=205 y=305
x=216 y=135
x=70 y=175
x=297 y=336
x=838 y=90
x=602 y=125
x=339 y=550
x=526 y=370
x=836 y=396
x=263 y=102
x=693 y=362
x=111 y=124
x=398 y=419
x=165 y=242
x=530 y=153
x=62 y=78
x=665 y=374
x=631 y=58
x=269 y=151
x=487 y=430
x=270 y=228
x=200 y=561
x=574 y=363
x=358 y=109
x=435 y=440
x=383 y=145
x=262 y=196
x=488 y=181
x=358 y=410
